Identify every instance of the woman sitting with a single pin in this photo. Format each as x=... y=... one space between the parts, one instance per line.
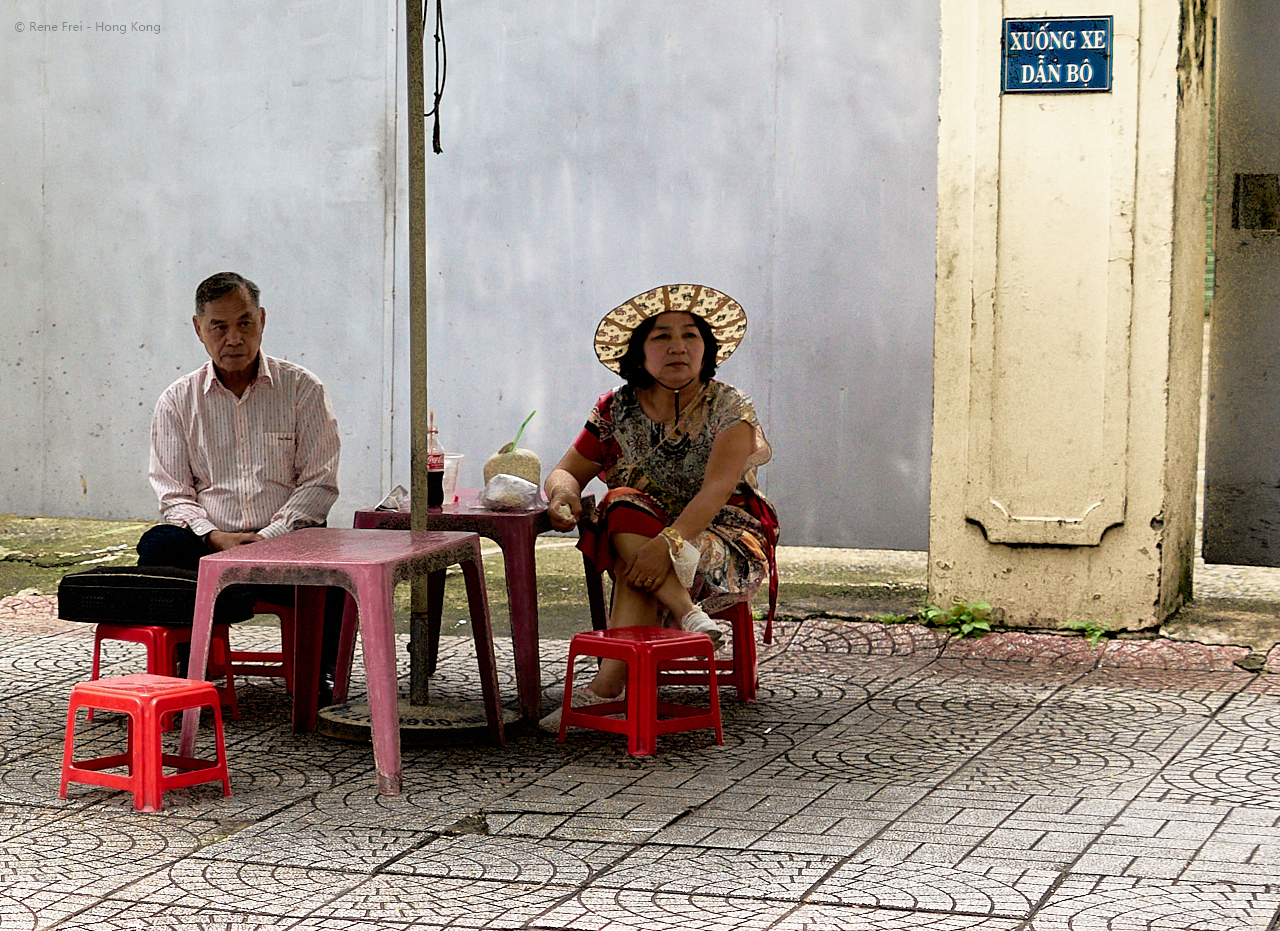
x=678 y=451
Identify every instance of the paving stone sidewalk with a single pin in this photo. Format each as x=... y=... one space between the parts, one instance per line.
x=887 y=778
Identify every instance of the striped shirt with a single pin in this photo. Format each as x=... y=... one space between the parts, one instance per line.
x=266 y=462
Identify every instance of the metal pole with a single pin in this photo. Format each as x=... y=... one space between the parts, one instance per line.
x=417 y=330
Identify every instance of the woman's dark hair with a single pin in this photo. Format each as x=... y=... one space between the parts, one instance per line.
x=632 y=365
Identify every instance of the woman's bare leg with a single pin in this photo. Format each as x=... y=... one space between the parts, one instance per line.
x=634 y=607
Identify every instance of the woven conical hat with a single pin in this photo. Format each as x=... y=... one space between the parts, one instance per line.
x=726 y=317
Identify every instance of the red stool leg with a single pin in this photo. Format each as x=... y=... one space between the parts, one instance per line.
x=146 y=750
x=567 y=703
x=220 y=654
x=69 y=745
x=97 y=654
x=642 y=692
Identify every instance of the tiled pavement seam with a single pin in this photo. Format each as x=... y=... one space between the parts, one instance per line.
x=802 y=793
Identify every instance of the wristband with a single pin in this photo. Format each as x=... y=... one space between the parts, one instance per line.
x=673 y=538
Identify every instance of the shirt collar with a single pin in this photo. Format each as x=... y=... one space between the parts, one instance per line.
x=266 y=374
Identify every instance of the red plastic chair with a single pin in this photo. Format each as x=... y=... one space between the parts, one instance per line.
x=740 y=669
x=643 y=649
x=147 y=700
x=161 y=643
x=269 y=663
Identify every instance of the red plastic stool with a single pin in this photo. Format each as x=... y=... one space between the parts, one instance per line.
x=740 y=670
x=160 y=642
x=643 y=649
x=146 y=699
x=276 y=665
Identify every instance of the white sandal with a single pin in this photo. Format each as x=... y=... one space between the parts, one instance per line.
x=582 y=698
x=699 y=622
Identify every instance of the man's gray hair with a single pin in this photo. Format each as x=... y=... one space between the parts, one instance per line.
x=222 y=284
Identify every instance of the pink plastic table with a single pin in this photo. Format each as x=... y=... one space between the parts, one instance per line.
x=368 y=564
x=515 y=532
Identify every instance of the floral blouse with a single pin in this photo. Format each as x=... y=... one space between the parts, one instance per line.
x=666 y=461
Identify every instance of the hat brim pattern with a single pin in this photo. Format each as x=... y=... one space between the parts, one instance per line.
x=725 y=316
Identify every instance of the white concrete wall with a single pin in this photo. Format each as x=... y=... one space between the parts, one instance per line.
x=784 y=152
x=243 y=136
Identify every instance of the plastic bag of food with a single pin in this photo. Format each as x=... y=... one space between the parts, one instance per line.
x=506 y=492
x=685 y=562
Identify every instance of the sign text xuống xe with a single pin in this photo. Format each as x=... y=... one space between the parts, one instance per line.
x=1056 y=55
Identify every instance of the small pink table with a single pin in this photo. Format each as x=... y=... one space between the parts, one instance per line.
x=368 y=564
x=515 y=532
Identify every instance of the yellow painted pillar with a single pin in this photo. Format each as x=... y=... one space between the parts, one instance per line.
x=1069 y=312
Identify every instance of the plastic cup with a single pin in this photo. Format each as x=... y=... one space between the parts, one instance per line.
x=451 y=466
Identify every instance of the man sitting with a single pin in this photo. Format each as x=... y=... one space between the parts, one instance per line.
x=243 y=449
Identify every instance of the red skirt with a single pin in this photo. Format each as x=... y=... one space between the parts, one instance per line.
x=732 y=565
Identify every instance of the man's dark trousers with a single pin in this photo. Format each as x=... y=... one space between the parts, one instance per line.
x=179 y=548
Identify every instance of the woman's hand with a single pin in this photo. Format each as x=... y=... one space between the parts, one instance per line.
x=564 y=509
x=564 y=489
x=649 y=569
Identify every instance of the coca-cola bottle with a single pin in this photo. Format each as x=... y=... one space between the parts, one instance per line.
x=435 y=466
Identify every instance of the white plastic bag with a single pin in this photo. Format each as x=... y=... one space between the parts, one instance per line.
x=506 y=492
x=396 y=500
x=685 y=563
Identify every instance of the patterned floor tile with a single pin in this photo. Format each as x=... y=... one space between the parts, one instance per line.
x=996 y=891
x=869 y=671
x=845 y=918
x=1253 y=715
x=87 y=852
x=1039 y=650
x=23 y=909
x=743 y=752
x=1266 y=685
x=1056 y=752
x=1195 y=685
x=33 y=774
x=451 y=903
x=598 y=909
x=1085 y=698
x=808 y=699
x=130 y=916
x=1221 y=775
x=699 y=871
x=1113 y=904
x=307 y=841
x=820 y=635
x=895 y=741
x=1161 y=654
x=510 y=859
x=242 y=887
x=977 y=830
x=261 y=785
x=967 y=779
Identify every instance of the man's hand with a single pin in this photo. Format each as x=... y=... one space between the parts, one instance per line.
x=220 y=540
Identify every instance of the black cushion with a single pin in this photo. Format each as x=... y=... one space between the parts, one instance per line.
x=152 y=595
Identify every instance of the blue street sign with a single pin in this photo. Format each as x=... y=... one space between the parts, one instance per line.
x=1057 y=55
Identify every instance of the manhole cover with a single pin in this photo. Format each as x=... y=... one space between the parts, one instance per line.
x=441 y=721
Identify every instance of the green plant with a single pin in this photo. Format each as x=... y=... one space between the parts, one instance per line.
x=1090 y=630
x=963 y=620
x=892 y=618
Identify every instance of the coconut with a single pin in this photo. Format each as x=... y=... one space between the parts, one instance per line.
x=522 y=463
x=510 y=460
